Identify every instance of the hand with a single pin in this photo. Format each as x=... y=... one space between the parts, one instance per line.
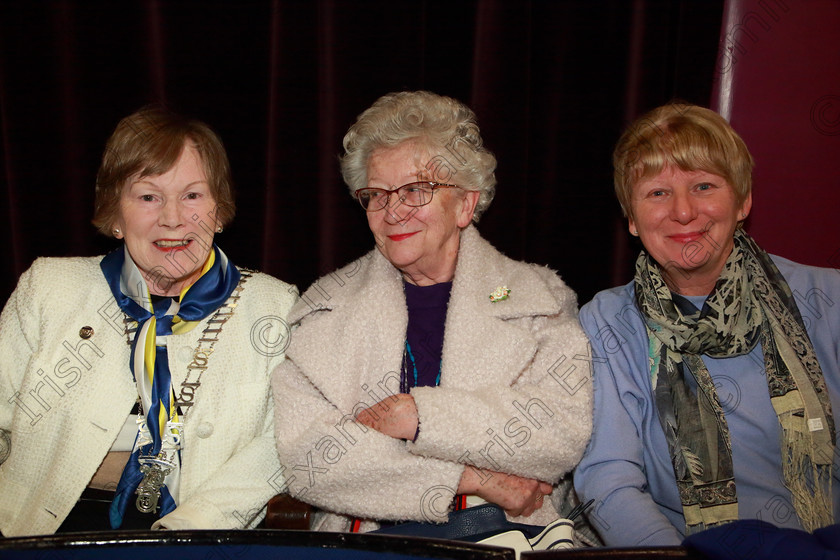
x=395 y=416
x=515 y=494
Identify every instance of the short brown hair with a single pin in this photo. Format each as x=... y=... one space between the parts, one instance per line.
x=149 y=142
x=687 y=136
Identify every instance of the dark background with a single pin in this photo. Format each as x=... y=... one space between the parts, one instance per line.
x=553 y=82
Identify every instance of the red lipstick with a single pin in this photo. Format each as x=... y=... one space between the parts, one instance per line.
x=401 y=236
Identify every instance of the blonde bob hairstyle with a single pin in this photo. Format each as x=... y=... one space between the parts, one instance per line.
x=148 y=143
x=444 y=127
x=689 y=137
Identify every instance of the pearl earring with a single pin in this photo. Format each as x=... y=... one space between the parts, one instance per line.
x=220 y=229
x=116 y=231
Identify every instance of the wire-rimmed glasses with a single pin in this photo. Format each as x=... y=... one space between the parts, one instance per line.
x=418 y=193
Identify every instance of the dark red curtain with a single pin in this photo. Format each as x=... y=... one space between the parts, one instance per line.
x=778 y=82
x=553 y=83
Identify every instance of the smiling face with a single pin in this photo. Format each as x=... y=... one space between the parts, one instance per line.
x=168 y=223
x=422 y=242
x=686 y=221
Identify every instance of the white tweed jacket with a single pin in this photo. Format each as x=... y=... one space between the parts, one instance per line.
x=515 y=393
x=64 y=398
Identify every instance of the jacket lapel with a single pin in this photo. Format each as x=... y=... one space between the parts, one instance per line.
x=352 y=342
x=481 y=343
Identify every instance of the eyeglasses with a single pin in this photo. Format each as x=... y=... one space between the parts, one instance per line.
x=415 y=194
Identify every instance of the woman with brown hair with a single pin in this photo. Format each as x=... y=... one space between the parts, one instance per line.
x=135 y=385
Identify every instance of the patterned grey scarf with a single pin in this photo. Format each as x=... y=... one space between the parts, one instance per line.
x=751 y=302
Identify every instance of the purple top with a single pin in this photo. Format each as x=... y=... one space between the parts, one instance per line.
x=424 y=335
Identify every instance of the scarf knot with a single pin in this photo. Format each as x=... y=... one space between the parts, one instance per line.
x=750 y=303
x=153 y=469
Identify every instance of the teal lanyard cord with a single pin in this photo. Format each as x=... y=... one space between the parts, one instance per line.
x=404 y=382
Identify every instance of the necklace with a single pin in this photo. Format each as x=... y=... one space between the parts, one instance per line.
x=408 y=356
x=209 y=337
x=155 y=468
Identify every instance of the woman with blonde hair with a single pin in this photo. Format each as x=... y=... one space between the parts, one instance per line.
x=716 y=368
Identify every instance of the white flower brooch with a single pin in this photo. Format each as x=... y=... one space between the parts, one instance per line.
x=500 y=293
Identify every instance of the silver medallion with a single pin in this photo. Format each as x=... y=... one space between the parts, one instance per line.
x=148 y=491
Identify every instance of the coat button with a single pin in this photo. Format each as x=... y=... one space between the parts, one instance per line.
x=204 y=430
x=86 y=332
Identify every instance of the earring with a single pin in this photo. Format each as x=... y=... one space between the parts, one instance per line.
x=220 y=229
x=116 y=231
x=636 y=232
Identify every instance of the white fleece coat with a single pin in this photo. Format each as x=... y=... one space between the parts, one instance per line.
x=64 y=399
x=515 y=393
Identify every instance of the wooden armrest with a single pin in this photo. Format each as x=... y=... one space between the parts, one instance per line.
x=285 y=512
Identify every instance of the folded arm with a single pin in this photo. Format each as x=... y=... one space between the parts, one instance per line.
x=396 y=417
x=338 y=464
x=535 y=427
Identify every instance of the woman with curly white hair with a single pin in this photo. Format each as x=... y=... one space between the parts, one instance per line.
x=434 y=372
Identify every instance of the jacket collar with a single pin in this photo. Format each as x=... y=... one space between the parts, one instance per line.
x=354 y=340
x=481 y=343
